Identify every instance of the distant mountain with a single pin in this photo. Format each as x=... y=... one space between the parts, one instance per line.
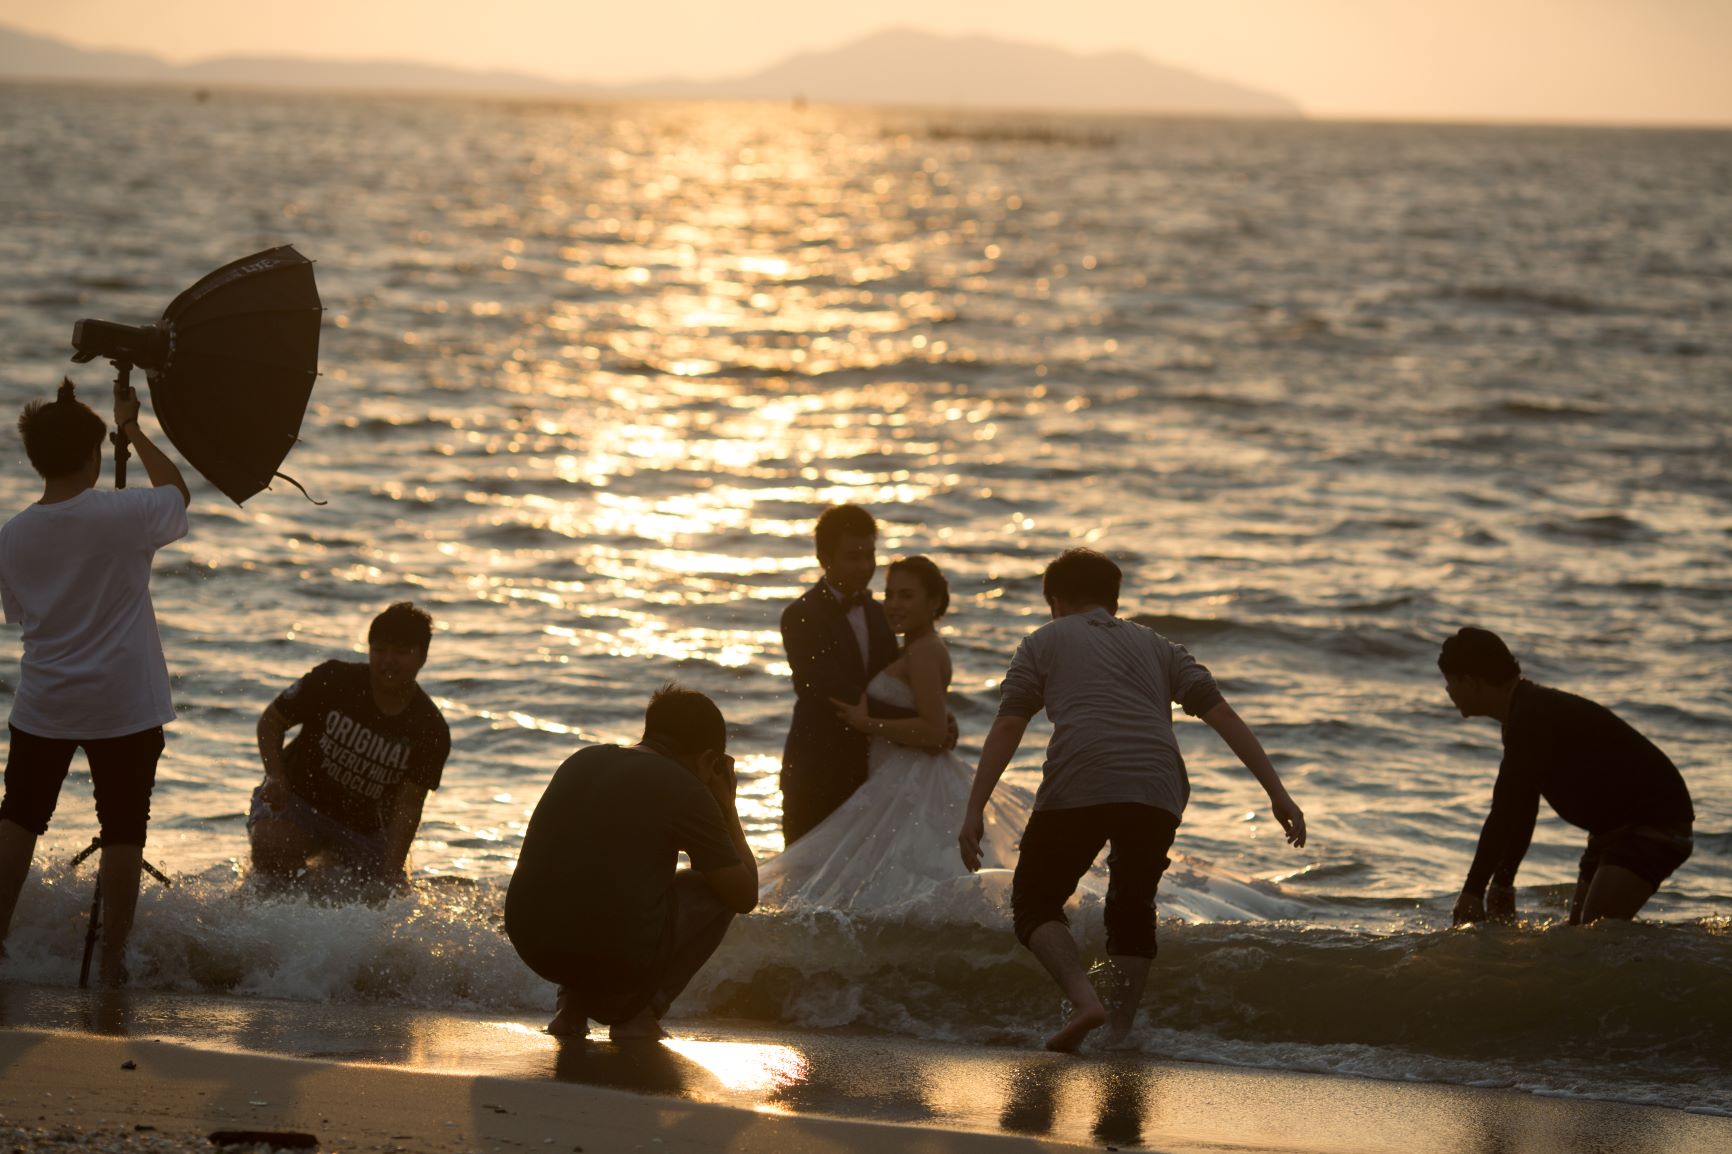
x=904 y=66
x=899 y=66
x=29 y=57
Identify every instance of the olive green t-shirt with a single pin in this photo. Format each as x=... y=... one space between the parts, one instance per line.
x=597 y=867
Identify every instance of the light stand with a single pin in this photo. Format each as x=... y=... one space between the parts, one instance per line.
x=122 y=392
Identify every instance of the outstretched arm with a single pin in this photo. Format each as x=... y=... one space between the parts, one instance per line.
x=1001 y=742
x=1503 y=842
x=1245 y=746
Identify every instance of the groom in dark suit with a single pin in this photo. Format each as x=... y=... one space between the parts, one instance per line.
x=837 y=640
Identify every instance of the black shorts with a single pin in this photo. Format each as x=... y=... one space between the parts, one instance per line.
x=1650 y=853
x=1060 y=845
x=122 y=773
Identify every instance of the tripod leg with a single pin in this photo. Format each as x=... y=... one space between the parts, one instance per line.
x=90 y=936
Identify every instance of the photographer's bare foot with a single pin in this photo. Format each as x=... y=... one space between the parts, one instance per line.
x=642 y=1027
x=1118 y=1038
x=567 y=1025
x=1082 y=1020
x=567 y=1022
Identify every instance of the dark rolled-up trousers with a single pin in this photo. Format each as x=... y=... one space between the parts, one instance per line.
x=1059 y=846
x=122 y=773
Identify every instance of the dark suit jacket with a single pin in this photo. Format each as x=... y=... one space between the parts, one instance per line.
x=824 y=760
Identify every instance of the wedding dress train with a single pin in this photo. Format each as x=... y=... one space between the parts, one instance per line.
x=889 y=852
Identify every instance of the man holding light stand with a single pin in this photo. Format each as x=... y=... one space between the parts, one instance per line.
x=75 y=575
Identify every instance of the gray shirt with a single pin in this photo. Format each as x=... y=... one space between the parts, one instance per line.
x=1108 y=685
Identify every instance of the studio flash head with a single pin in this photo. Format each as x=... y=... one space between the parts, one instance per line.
x=145 y=346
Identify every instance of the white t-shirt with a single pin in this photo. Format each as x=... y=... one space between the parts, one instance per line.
x=76 y=576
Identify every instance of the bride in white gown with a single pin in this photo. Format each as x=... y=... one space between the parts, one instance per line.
x=890 y=853
x=890 y=849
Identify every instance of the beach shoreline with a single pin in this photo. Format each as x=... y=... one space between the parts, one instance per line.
x=406 y=1080
x=181 y=1092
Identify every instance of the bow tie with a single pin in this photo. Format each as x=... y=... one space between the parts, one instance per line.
x=847 y=601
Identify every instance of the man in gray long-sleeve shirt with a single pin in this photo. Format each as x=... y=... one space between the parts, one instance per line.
x=1113 y=773
x=1108 y=686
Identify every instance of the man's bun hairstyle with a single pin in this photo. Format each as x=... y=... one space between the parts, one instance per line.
x=60 y=435
x=841 y=521
x=684 y=722
x=405 y=624
x=1478 y=653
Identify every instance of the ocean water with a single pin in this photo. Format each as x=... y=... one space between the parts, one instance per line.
x=1328 y=391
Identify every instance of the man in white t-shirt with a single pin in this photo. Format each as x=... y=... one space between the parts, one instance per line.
x=75 y=574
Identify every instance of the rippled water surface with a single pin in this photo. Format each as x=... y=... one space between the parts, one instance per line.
x=590 y=373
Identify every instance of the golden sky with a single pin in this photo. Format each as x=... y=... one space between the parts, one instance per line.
x=1573 y=60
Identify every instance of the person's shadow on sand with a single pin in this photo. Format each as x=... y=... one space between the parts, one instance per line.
x=639 y=1067
x=1123 y=1106
x=22 y=1014
x=15 y=1018
x=643 y=1067
x=1031 y=1106
x=109 y=1012
x=1032 y=1102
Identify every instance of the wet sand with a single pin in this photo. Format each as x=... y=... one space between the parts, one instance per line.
x=384 y=1078
x=178 y=1092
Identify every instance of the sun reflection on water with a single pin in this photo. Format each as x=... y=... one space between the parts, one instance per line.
x=744 y=1066
x=592 y=372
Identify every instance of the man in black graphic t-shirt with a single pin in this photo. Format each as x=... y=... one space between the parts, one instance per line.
x=351 y=785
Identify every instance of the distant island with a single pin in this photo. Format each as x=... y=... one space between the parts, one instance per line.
x=895 y=67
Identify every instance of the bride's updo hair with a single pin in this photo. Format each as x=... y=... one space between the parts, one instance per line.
x=931 y=579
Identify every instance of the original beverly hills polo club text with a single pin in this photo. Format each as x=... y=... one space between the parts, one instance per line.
x=358 y=759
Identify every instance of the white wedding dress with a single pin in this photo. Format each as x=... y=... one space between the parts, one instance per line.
x=889 y=852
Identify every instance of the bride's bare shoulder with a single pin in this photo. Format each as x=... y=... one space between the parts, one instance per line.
x=928 y=647
x=929 y=652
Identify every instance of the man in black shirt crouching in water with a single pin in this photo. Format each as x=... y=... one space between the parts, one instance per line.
x=1594 y=770
x=348 y=790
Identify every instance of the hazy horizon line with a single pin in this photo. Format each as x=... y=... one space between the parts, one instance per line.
x=1432 y=61
x=521 y=97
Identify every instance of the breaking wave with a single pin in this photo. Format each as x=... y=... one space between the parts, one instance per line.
x=1640 y=1012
